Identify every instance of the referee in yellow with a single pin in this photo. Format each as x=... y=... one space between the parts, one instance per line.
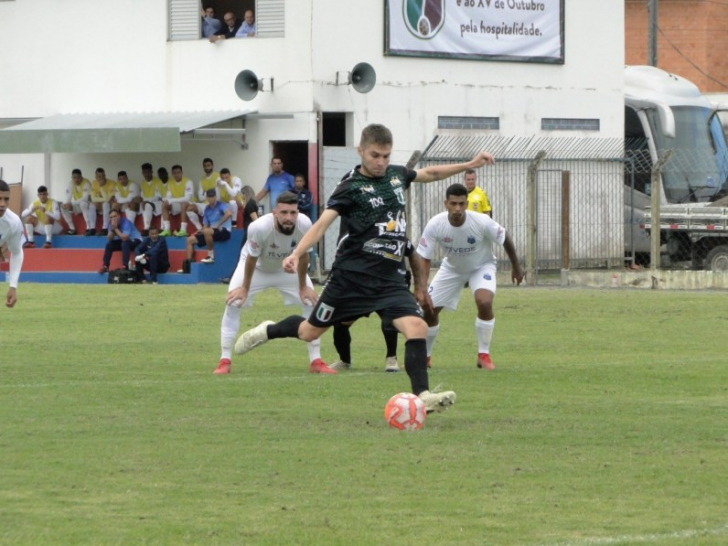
x=477 y=198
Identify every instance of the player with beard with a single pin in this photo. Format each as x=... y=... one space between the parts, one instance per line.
x=12 y=236
x=271 y=238
x=366 y=276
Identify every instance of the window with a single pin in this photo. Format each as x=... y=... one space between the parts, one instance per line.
x=184 y=16
x=568 y=124
x=467 y=122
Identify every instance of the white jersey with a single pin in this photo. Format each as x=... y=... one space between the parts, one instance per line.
x=269 y=245
x=466 y=247
x=13 y=235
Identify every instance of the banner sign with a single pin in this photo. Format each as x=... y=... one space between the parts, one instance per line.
x=493 y=30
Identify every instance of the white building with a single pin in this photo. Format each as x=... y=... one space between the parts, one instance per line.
x=101 y=57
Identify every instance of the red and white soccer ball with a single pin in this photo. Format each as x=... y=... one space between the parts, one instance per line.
x=405 y=411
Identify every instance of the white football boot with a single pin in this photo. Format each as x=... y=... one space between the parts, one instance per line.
x=252 y=338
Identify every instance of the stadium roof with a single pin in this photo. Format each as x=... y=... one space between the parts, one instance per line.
x=113 y=132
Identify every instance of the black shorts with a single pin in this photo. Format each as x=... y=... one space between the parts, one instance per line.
x=349 y=295
x=217 y=235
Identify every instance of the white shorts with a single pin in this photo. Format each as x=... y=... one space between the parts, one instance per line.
x=447 y=286
x=285 y=283
x=75 y=209
x=157 y=205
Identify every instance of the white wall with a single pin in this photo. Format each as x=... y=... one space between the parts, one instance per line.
x=111 y=56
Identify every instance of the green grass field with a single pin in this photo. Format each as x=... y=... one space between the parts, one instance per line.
x=604 y=423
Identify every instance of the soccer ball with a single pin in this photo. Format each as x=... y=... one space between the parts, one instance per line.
x=405 y=411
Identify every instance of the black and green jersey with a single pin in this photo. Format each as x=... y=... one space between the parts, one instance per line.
x=374 y=212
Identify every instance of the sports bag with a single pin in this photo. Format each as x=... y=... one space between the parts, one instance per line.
x=123 y=276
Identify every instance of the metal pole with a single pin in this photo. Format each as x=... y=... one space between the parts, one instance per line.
x=652 y=33
x=656 y=193
x=532 y=218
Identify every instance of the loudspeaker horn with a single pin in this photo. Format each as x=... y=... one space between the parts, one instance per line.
x=363 y=78
x=247 y=85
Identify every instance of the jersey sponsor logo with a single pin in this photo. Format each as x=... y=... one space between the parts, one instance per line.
x=391 y=250
x=396 y=224
x=324 y=312
x=274 y=246
x=367 y=189
x=460 y=250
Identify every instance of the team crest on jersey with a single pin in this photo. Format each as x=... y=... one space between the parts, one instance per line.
x=399 y=192
x=324 y=312
x=471 y=239
x=394 y=181
x=293 y=244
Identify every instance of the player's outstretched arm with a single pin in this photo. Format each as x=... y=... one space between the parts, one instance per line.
x=440 y=172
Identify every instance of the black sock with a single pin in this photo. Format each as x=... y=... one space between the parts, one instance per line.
x=288 y=327
x=390 y=338
x=342 y=342
x=415 y=363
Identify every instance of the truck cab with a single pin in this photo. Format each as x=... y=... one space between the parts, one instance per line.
x=665 y=112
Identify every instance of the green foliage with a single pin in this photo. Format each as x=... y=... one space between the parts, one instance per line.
x=604 y=423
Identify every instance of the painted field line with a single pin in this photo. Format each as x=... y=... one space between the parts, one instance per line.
x=655 y=537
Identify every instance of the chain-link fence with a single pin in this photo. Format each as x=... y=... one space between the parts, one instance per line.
x=562 y=200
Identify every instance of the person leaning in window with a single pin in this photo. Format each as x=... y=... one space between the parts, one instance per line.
x=228 y=30
x=210 y=25
x=247 y=29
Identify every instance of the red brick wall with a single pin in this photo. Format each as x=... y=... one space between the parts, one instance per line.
x=694 y=32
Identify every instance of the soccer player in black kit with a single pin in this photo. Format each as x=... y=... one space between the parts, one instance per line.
x=365 y=276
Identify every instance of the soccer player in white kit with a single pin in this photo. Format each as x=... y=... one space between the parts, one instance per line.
x=271 y=238
x=467 y=239
x=12 y=235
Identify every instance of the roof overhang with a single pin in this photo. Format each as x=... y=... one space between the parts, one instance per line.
x=111 y=132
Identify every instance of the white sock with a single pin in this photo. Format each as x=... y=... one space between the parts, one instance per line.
x=484 y=331
x=228 y=329
x=183 y=226
x=48 y=228
x=147 y=215
x=432 y=332
x=314 y=349
x=29 y=232
x=68 y=218
x=234 y=210
x=192 y=217
x=130 y=215
x=91 y=220
x=165 y=225
x=105 y=208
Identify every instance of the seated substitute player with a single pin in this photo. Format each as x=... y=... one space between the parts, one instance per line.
x=207 y=182
x=103 y=197
x=11 y=235
x=467 y=238
x=43 y=216
x=216 y=227
x=270 y=240
x=365 y=276
x=128 y=196
x=78 y=199
x=152 y=189
x=230 y=187
x=180 y=193
x=153 y=255
x=122 y=235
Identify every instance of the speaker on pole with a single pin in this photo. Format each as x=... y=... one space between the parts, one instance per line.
x=363 y=78
x=247 y=85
